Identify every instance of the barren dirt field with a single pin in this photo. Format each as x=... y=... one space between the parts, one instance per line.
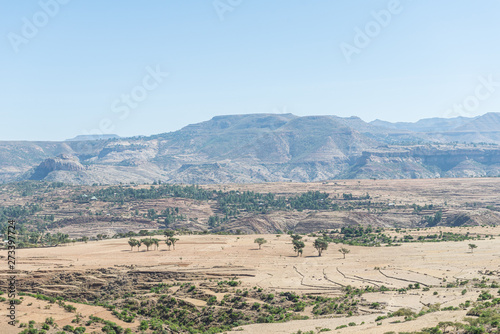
x=202 y=260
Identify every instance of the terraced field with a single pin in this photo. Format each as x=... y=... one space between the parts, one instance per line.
x=87 y=270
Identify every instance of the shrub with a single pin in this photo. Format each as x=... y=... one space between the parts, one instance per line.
x=404 y=312
x=79 y=330
x=68 y=328
x=300 y=306
x=144 y=325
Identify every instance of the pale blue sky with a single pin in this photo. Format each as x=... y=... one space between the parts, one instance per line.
x=263 y=56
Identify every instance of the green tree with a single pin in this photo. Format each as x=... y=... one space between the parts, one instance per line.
x=260 y=241
x=320 y=244
x=132 y=243
x=173 y=241
x=298 y=246
x=169 y=233
x=147 y=242
x=472 y=246
x=156 y=242
x=344 y=251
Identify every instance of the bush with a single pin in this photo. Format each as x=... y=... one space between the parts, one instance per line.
x=485 y=295
x=68 y=328
x=144 y=325
x=300 y=306
x=404 y=312
x=79 y=330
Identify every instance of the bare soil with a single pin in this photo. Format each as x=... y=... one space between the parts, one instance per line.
x=72 y=270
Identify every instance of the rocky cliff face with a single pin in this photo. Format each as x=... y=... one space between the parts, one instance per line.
x=61 y=163
x=427 y=161
x=252 y=148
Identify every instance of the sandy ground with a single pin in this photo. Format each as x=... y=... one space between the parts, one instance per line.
x=276 y=267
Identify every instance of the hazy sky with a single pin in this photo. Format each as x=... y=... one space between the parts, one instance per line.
x=71 y=67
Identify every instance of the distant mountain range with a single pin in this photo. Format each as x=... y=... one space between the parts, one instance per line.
x=93 y=137
x=267 y=147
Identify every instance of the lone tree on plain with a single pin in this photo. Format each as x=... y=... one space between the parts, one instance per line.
x=320 y=245
x=260 y=241
x=298 y=246
x=344 y=251
x=472 y=246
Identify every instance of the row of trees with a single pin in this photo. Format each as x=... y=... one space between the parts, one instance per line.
x=321 y=244
x=148 y=242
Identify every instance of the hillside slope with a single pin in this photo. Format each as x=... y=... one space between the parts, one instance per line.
x=263 y=148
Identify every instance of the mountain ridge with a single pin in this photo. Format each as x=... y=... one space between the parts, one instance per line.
x=267 y=147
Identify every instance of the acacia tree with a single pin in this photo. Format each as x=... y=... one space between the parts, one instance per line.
x=169 y=243
x=298 y=246
x=132 y=243
x=138 y=244
x=156 y=242
x=472 y=246
x=173 y=241
x=320 y=244
x=147 y=242
x=260 y=241
x=344 y=251
x=169 y=233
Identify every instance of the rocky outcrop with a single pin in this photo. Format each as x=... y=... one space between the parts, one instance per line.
x=61 y=163
x=427 y=161
x=472 y=218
